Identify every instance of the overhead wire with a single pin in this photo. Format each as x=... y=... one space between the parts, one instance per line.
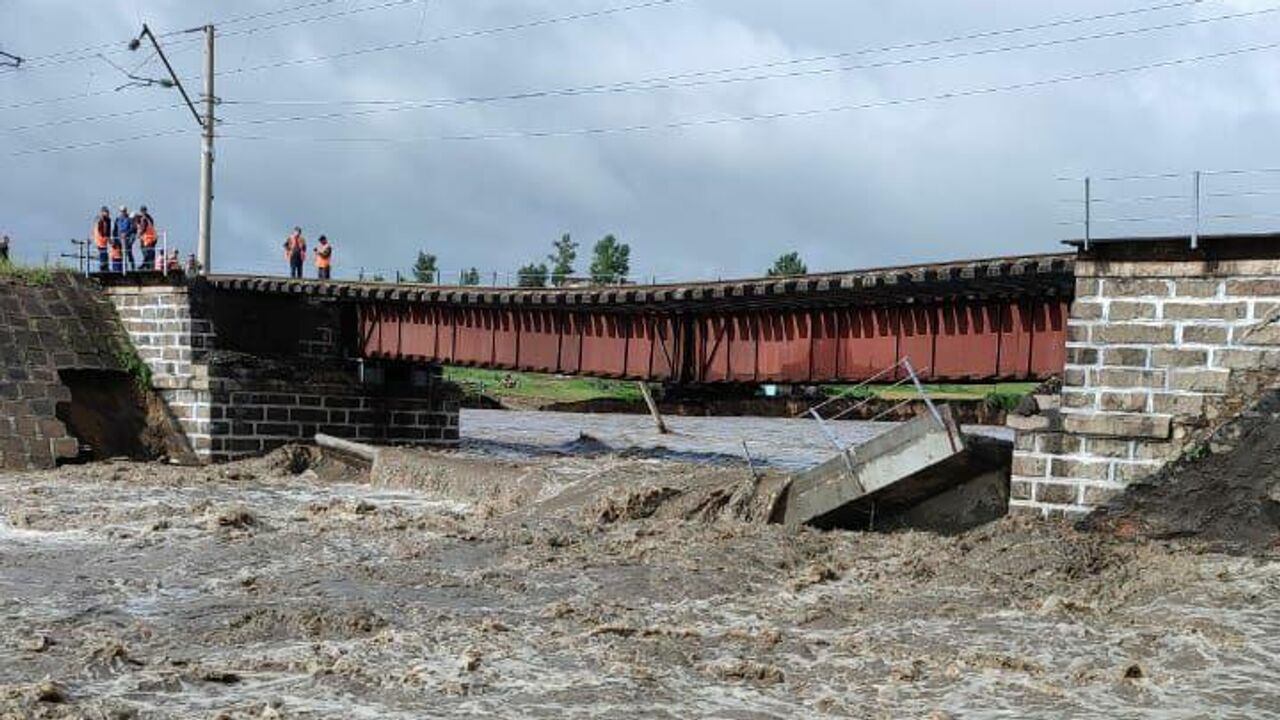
x=462 y=35
x=99 y=143
x=651 y=84
x=93 y=49
x=91 y=118
x=758 y=117
x=419 y=41
x=711 y=122
x=93 y=52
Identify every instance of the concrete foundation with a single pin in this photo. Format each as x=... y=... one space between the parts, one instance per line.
x=901 y=468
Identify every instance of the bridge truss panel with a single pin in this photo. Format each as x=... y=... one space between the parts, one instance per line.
x=1049 y=337
x=473 y=336
x=867 y=342
x=784 y=347
x=917 y=332
x=539 y=340
x=967 y=346
x=945 y=341
x=604 y=345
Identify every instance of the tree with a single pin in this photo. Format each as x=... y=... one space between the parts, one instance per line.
x=533 y=276
x=470 y=277
x=566 y=252
x=789 y=264
x=424 y=270
x=611 y=261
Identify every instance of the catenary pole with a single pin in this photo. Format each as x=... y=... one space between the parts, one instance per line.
x=207 y=122
x=206 y=160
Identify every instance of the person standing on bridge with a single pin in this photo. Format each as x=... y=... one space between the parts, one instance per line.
x=295 y=252
x=324 y=258
x=4 y=248
x=126 y=233
x=102 y=236
x=146 y=228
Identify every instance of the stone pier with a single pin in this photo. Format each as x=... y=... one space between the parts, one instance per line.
x=1163 y=344
x=244 y=374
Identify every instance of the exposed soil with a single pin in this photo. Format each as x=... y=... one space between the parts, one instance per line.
x=1224 y=494
x=574 y=587
x=112 y=417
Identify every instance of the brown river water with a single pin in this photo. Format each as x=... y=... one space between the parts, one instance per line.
x=533 y=576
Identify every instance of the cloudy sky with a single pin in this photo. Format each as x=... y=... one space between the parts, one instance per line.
x=712 y=135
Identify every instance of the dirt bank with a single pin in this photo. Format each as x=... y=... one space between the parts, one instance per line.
x=1223 y=494
x=572 y=587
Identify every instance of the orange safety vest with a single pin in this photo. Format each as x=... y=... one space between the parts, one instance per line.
x=117 y=252
x=101 y=233
x=292 y=244
x=147 y=231
x=323 y=255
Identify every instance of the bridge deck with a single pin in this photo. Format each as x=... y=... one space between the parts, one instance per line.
x=1001 y=318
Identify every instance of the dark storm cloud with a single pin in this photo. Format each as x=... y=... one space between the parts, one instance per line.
x=933 y=180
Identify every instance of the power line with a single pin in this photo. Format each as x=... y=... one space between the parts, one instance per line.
x=94 y=52
x=710 y=122
x=758 y=117
x=424 y=41
x=662 y=84
x=984 y=34
x=462 y=35
x=90 y=118
x=98 y=143
x=93 y=49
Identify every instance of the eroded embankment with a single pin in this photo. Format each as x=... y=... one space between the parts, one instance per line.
x=1223 y=494
x=585 y=587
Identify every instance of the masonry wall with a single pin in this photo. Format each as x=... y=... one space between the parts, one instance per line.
x=245 y=373
x=46 y=328
x=176 y=346
x=252 y=417
x=1159 y=351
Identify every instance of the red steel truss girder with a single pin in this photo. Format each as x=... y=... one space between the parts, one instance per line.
x=949 y=341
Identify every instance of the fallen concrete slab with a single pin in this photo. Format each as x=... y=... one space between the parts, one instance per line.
x=899 y=472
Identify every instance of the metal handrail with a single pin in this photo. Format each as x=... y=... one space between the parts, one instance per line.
x=847 y=411
x=89 y=258
x=862 y=384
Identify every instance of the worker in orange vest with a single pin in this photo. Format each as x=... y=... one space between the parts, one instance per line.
x=324 y=258
x=102 y=236
x=117 y=254
x=145 y=226
x=295 y=252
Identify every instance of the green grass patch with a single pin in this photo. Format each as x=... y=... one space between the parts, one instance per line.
x=537 y=387
x=26 y=275
x=540 y=388
x=1006 y=395
x=131 y=363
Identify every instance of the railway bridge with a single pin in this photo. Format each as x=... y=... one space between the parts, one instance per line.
x=1001 y=318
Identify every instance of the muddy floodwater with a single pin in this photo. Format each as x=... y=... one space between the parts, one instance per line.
x=593 y=585
x=789 y=444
